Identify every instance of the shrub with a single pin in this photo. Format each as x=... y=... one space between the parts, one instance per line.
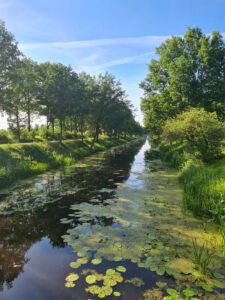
x=200 y=131
x=27 y=136
x=4 y=137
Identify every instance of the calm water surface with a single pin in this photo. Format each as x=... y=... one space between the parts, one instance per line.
x=34 y=259
x=98 y=208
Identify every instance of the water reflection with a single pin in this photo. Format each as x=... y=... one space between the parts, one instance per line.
x=30 y=228
x=118 y=207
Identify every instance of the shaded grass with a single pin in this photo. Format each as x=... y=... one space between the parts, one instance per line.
x=19 y=161
x=204 y=184
x=204 y=188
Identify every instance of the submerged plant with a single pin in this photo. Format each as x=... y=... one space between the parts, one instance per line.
x=174 y=295
x=202 y=255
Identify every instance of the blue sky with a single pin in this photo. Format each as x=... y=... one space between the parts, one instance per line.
x=118 y=36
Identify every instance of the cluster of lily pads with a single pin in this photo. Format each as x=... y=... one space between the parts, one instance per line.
x=101 y=285
x=149 y=231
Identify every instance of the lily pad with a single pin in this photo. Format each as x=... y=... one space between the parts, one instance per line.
x=96 y=261
x=116 y=294
x=94 y=289
x=188 y=292
x=75 y=265
x=72 y=277
x=82 y=261
x=69 y=284
x=121 y=269
x=117 y=258
x=110 y=272
x=90 y=279
x=161 y=284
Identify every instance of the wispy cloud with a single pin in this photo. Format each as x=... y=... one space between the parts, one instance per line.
x=151 y=40
x=120 y=61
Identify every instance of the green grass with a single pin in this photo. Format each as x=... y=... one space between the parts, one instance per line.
x=19 y=161
x=203 y=184
x=204 y=188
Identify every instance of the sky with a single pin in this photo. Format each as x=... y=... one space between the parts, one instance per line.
x=97 y=36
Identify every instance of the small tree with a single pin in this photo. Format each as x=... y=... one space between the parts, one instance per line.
x=199 y=130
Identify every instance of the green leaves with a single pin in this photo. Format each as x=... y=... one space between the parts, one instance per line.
x=121 y=269
x=90 y=279
x=189 y=69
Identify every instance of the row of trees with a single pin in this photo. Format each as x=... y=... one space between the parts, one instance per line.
x=69 y=101
x=190 y=72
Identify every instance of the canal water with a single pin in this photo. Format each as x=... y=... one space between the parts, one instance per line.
x=113 y=220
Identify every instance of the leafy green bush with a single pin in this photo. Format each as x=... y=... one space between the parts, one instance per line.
x=27 y=136
x=4 y=137
x=199 y=131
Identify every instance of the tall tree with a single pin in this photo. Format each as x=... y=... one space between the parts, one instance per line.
x=9 y=55
x=190 y=71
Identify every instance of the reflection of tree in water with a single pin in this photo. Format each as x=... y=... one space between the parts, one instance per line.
x=19 y=231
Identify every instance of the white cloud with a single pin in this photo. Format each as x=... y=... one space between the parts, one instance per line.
x=151 y=41
x=116 y=62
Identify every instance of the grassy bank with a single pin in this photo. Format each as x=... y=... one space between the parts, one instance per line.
x=203 y=184
x=19 y=161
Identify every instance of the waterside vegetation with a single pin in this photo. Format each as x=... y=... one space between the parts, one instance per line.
x=184 y=110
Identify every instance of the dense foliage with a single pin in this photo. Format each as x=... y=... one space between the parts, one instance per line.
x=199 y=131
x=190 y=72
x=184 y=110
x=204 y=189
x=69 y=101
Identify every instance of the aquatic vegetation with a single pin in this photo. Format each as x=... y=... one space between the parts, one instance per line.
x=70 y=280
x=109 y=280
x=90 y=279
x=121 y=269
x=140 y=244
x=75 y=265
x=96 y=261
x=72 y=277
x=174 y=295
x=154 y=294
x=110 y=272
x=202 y=255
x=161 y=284
x=136 y=281
x=148 y=228
x=69 y=284
x=179 y=266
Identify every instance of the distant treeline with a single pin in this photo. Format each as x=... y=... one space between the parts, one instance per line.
x=69 y=101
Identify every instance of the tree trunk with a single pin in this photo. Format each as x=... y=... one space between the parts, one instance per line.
x=96 y=135
x=18 y=125
x=53 y=125
x=82 y=130
x=47 y=127
x=28 y=121
x=61 y=130
x=28 y=116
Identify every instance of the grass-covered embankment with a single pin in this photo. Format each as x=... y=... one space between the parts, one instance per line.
x=19 y=161
x=203 y=183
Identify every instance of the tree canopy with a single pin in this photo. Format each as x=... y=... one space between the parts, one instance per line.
x=189 y=72
x=69 y=101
